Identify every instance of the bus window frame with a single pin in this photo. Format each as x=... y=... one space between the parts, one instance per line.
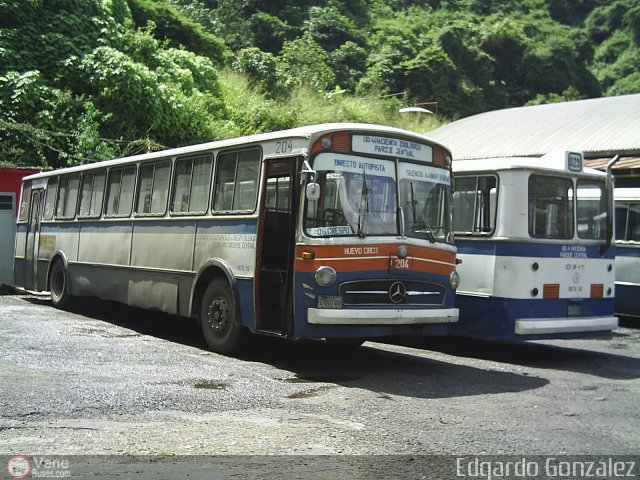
x=174 y=175
x=120 y=169
x=70 y=215
x=630 y=207
x=236 y=184
x=137 y=189
x=25 y=202
x=51 y=193
x=100 y=210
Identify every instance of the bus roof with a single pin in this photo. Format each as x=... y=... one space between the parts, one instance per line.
x=300 y=132
x=553 y=161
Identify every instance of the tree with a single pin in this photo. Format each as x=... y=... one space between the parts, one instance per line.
x=262 y=68
x=349 y=62
x=505 y=41
x=329 y=28
x=308 y=63
x=46 y=126
x=571 y=12
x=270 y=32
x=178 y=29
x=631 y=20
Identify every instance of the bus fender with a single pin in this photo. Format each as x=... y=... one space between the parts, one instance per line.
x=208 y=271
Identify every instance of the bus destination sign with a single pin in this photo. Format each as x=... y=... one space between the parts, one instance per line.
x=574 y=161
x=393 y=147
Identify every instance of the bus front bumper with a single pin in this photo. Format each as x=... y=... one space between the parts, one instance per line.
x=536 y=326
x=327 y=316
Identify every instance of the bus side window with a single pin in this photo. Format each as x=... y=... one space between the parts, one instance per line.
x=120 y=192
x=91 y=195
x=200 y=184
x=25 y=202
x=67 y=197
x=247 y=180
x=223 y=195
x=634 y=222
x=191 y=185
x=237 y=181
x=50 y=201
x=153 y=188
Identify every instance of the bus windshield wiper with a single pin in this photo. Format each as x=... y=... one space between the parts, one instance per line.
x=364 y=201
x=431 y=237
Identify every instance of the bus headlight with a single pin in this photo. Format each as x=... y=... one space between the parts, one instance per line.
x=325 y=276
x=454 y=280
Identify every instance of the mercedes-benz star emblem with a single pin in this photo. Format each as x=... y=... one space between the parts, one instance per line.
x=397 y=292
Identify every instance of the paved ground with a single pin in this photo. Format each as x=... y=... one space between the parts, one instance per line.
x=106 y=379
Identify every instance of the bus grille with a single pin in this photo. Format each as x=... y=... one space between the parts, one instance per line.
x=391 y=292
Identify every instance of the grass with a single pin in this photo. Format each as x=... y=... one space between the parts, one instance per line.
x=251 y=111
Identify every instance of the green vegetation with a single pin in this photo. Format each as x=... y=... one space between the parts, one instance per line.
x=84 y=80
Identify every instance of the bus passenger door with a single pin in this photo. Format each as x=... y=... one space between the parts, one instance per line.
x=276 y=247
x=33 y=240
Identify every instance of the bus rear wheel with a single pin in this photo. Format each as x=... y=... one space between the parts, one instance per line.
x=59 y=285
x=217 y=316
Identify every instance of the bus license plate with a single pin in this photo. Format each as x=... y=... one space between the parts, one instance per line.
x=396 y=263
x=574 y=310
x=329 y=301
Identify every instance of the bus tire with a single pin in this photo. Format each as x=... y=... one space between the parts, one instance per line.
x=217 y=316
x=59 y=285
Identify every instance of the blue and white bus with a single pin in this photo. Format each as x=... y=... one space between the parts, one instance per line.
x=627 y=201
x=535 y=239
x=336 y=231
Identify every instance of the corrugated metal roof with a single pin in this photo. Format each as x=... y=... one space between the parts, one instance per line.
x=625 y=163
x=599 y=127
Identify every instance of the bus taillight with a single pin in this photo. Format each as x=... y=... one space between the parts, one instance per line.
x=551 y=290
x=597 y=290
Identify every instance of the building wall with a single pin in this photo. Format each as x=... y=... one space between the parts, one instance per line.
x=10 y=185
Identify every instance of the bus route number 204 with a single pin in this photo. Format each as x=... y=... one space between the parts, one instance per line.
x=396 y=263
x=284 y=146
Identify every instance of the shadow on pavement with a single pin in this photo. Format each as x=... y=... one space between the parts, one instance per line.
x=538 y=355
x=317 y=364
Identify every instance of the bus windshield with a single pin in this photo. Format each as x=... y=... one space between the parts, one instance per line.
x=363 y=196
x=550 y=207
x=425 y=195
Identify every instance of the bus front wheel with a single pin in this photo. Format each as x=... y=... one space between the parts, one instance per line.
x=59 y=285
x=217 y=316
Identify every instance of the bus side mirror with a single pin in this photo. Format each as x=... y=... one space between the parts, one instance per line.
x=313 y=191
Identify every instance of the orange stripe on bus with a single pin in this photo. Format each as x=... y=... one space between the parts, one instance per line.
x=373 y=257
x=380 y=250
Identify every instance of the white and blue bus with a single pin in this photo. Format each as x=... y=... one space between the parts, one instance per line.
x=336 y=231
x=535 y=239
x=627 y=201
